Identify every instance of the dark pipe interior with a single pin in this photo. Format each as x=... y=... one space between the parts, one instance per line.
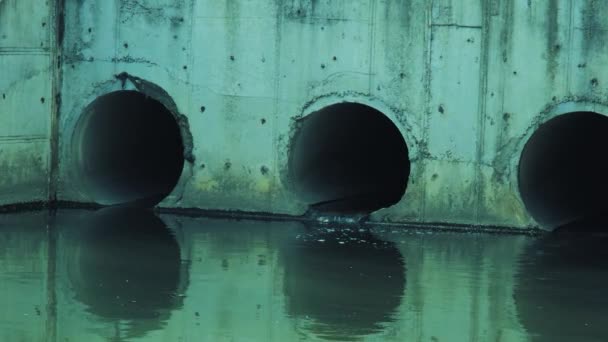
x=563 y=169
x=131 y=149
x=349 y=157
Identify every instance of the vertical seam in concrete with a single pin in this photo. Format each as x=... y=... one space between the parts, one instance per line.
x=504 y=69
x=57 y=32
x=56 y=12
x=502 y=76
x=193 y=19
x=277 y=87
x=372 y=43
x=191 y=108
x=116 y=36
x=570 y=28
x=483 y=87
x=425 y=119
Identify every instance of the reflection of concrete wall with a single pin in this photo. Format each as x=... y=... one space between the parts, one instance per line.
x=459 y=287
x=24 y=264
x=466 y=100
x=119 y=275
x=561 y=296
x=233 y=292
x=25 y=99
x=236 y=292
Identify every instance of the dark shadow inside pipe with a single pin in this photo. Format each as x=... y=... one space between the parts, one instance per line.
x=130 y=149
x=563 y=170
x=347 y=158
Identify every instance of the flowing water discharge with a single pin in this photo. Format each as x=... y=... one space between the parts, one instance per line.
x=125 y=274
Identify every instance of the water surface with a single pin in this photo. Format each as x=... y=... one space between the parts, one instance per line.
x=131 y=275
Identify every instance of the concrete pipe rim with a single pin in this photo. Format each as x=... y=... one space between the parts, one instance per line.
x=323 y=122
x=550 y=208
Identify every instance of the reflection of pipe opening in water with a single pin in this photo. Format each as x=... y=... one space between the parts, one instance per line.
x=127 y=267
x=349 y=157
x=349 y=286
x=563 y=173
x=561 y=292
x=129 y=149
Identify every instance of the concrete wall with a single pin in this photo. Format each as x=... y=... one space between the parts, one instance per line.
x=25 y=99
x=466 y=82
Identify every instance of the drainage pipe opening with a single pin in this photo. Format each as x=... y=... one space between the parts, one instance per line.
x=349 y=158
x=563 y=169
x=130 y=149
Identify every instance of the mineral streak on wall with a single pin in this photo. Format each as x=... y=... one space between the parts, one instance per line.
x=465 y=83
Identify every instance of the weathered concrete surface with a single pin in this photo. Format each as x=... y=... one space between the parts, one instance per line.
x=25 y=100
x=466 y=83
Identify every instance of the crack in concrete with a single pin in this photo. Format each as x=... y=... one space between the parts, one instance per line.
x=457 y=26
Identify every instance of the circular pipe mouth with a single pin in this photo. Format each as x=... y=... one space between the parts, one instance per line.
x=349 y=158
x=129 y=150
x=563 y=170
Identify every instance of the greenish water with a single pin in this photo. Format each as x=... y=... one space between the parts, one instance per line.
x=127 y=275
